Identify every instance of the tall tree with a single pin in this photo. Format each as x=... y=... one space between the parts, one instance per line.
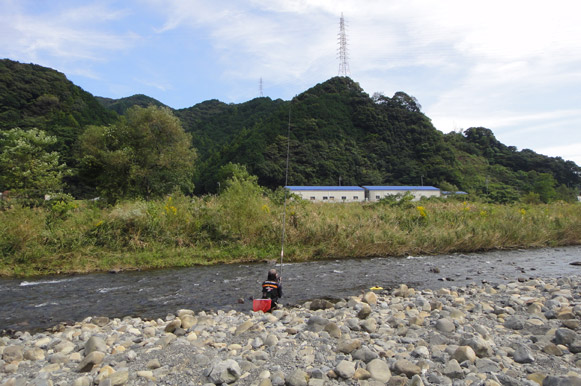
x=27 y=168
x=147 y=154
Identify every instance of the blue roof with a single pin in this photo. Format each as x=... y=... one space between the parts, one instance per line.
x=458 y=192
x=400 y=188
x=324 y=187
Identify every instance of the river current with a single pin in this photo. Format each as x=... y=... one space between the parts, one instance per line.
x=39 y=303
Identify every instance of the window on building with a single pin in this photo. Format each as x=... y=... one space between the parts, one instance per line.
x=345 y=197
x=325 y=198
x=332 y=198
x=377 y=197
x=356 y=197
x=312 y=198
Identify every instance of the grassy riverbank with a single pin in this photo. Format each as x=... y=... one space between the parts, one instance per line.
x=244 y=225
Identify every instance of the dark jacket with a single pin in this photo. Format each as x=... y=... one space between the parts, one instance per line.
x=271 y=290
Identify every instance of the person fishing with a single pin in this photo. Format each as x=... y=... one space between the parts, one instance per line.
x=272 y=288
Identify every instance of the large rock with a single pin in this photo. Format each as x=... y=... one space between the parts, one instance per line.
x=370 y=298
x=514 y=323
x=523 y=354
x=12 y=354
x=464 y=353
x=561 y=381
x=364 y=312
x=565 y=336
x=244 y=327
x=347 y=346
x=379 y=370
x=453 y=370
x=345 y=369
x=481 y=347
x=34 y=354
x=445 y=325
x=333 y=330
x=321 y=304
x=407 y=368
x=173 y=325
x=364 y=354
x=297 y=378
x=95 y=343
x=87 y=364
x=316 y=323
x=227 y=371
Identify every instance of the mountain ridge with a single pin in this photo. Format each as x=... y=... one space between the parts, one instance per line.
x=338 y=133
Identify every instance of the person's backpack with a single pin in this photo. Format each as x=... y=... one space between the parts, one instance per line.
x=270 y=291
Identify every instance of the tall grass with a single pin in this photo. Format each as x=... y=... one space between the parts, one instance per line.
x=242 y=224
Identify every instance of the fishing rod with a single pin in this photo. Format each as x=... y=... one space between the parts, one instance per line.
x=285 y=189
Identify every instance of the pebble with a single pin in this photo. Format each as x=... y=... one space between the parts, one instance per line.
x=522 y=333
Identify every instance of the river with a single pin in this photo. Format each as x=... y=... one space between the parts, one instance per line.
x=40 y=303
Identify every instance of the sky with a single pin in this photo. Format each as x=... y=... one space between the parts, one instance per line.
x=512 y=66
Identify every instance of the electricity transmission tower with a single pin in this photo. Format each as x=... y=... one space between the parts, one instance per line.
x=260 y=88
x=343 y=64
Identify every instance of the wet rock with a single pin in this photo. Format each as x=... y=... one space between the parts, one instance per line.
x=173 y=326
x=321 y=304
x=100 y=321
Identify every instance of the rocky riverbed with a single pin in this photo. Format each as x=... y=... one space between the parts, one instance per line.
x=522 y=333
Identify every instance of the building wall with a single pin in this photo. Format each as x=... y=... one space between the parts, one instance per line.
x=376 y=195
x=331 y=195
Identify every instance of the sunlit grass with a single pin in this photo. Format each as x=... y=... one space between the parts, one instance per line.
x=243 y=225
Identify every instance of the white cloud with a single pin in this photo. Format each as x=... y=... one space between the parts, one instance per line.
x=72 y=34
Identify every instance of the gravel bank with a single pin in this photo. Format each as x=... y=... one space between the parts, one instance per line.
x=521 y=333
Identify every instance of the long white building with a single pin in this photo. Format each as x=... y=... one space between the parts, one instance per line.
x=329 y=193
x=376 y=193
x=360 y=193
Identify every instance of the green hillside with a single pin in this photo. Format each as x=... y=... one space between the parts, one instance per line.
x=40 y=97
x=338 y=134
x=120 y=106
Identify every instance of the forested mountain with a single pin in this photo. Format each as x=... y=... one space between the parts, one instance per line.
x=40 y=97
x=120 y=106
x=338 y=134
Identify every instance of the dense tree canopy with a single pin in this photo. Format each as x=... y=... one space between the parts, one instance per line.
x=146 y=154
x=338 y=134
x=27 y=168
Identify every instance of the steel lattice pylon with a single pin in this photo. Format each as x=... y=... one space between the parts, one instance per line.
x=343 y=57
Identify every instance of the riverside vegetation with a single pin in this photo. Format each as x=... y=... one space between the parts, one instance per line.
x=243 y=223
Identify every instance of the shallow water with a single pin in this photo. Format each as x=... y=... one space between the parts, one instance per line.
x=44 y=302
